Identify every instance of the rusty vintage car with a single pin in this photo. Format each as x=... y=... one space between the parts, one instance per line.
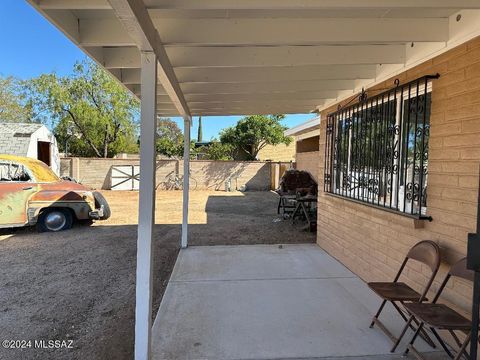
x=32 y=194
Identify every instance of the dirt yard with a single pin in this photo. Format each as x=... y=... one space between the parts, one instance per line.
x=80 y=284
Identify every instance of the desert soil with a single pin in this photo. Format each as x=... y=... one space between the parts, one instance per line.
x=80 y=284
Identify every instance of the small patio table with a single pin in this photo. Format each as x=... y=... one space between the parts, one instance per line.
x=304 y=206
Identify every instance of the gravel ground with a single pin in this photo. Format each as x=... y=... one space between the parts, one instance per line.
x=79 y=284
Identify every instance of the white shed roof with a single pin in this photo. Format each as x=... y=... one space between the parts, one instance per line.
x=223 y=57
x=15 y=137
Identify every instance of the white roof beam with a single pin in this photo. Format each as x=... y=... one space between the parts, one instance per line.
x=135 y=18
x=65 y=20
x=130 y=76
x=286 y=73
x=299 y=95
x=74 y=4
x=248 y=110
x=308 y=4
x=135 y=88
x=121 y=57
x=300 y=31
x=193 y=57
x=285 y=55
x=237 y=104
x=266 y=87
x=103 y=32
x=303 y=13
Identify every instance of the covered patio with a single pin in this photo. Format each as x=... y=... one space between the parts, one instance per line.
x=224 y=57
x=269 y=302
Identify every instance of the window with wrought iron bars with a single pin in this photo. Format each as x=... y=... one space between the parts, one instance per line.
x=376 y=151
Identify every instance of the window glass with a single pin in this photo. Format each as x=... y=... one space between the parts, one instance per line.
x=13 y=172
x=377 y=150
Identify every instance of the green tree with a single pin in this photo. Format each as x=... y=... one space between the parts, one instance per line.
x=14 y=106
x=89 y=110
x=170 y=138
x=252 y=133
x=216 y=151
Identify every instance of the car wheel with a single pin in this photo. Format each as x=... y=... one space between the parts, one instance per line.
x=99 y=201
x=53 y=220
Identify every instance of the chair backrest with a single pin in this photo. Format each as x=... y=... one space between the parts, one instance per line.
x=459 y=269
x=427 y=252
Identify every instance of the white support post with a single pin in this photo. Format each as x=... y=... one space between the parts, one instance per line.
x=186 y=180
x=146 y=209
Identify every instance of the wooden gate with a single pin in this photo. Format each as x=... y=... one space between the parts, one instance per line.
x=125 y=177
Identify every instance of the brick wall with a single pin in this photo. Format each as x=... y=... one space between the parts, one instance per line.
x=308 y=161
x=308 y=144
x=95 y=172
x=372 y=242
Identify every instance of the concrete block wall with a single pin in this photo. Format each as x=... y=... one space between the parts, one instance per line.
x=372 y=242
x=213 y=174
x=308 y=161
x=95 y=172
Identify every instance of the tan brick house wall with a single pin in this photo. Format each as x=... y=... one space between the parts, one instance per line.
x=308 y=161
x=372 y=242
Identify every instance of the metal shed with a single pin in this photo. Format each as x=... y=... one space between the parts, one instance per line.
x=30 y=140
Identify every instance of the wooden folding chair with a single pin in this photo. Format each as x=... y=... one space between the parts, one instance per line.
x=441 y=317
x=399 y=293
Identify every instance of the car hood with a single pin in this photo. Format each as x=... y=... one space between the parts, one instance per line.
x=61 y=191
x=63 y=185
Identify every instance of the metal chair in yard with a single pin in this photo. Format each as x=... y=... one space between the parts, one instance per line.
x=399 y=294
x=441 y=317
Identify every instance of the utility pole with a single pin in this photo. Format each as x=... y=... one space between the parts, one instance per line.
x=199 y=134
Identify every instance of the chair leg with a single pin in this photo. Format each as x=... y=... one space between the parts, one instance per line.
x=294 y=214
x=410 y=345
x=405 y=328
x=442 y=343
x=463 y=347
x=378 y=313
x=423 y=333
x=459 y=344
x=279 y=205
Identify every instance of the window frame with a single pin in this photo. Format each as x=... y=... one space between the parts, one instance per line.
x=392 y=149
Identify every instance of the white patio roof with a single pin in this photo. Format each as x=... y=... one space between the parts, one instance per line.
x=225 y=57
x=232 y=57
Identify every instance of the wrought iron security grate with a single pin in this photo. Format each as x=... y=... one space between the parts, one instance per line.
x=376 y=151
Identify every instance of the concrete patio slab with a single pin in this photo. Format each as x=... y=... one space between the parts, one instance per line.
x=256 y=262
x=266 y=302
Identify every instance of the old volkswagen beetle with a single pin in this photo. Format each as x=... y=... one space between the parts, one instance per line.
x=32 y=194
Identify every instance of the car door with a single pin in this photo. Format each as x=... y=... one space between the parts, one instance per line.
x=16 y=187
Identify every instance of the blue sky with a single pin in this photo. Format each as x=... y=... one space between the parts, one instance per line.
x=32 y=46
